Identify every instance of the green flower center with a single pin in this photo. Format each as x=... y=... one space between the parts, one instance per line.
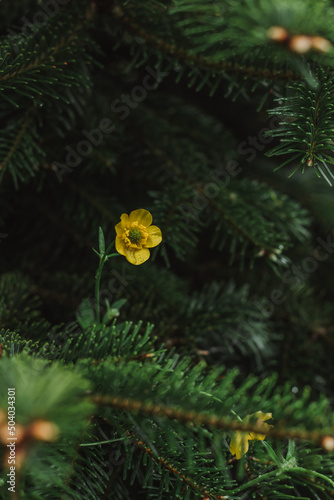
x=134 y=235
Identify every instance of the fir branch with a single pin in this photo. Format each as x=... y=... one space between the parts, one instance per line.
x=85 y=473
x=19 y=150
x=16 y=141
x=189 y=166
x=98 y=342
x=52 y=62
x=306 y=129
x=175 y=52
x=197 y=419
x=12 y=343
x=174 y=470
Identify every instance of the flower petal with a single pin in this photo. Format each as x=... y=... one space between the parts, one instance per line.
x=119 y=228
x=125 y=223
x=154 y=236
x=137 y=257
x=141 y=216
x=125 y=220
x=263 y=416
x=260 y=437
x=120 y=246
x=258 y=418
x=239 y=444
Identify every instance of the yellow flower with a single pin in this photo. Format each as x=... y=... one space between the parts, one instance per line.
x=239 y=442
x=135 y=235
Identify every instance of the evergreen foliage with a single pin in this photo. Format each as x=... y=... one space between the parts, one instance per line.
x=131 y=382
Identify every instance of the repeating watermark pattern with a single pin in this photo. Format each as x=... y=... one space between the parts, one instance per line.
x=94 y=138
x=295 y=276
x=116 y=285
x=220 y=178
x=244 y=148
x=30 y=27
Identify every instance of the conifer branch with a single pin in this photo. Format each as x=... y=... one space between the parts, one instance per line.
x=204 y=419
x=48 y=67
x=216 y=208
x=167 y=400
x=233 y=223
x=306 y=126
x=165 y=464
x=203 y=62
x=16 y=143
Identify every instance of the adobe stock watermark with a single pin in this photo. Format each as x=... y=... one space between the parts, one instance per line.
x=94 y=138
x=116 y=285
x=220 y=178
x=295 y=276
x=258 y=142
x=30 y=27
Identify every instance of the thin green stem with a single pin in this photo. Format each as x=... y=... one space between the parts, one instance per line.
x=97 y=287
x=236 y=415
x=103 y=258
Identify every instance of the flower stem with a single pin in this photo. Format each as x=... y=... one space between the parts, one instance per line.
x=103 y=258
x=97 y=288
